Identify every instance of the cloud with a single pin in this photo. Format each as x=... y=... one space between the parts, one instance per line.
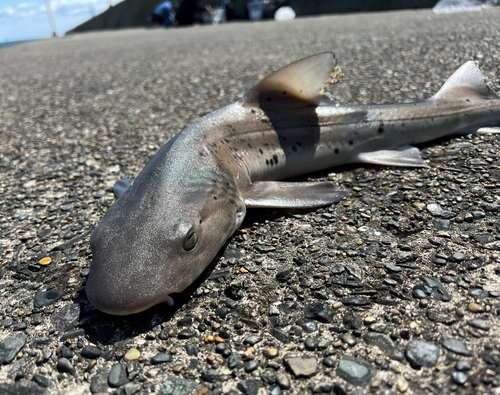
x=7 y=11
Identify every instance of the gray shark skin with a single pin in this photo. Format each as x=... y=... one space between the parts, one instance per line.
x=164 y=230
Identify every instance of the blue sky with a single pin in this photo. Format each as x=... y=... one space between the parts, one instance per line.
x=27 y=19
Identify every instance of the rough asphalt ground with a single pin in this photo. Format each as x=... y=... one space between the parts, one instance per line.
x=395 y=290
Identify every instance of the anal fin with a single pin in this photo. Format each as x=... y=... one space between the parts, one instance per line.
x=292 y=194
x=405 y=156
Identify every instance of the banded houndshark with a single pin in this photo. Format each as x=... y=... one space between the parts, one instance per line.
x=171 y=221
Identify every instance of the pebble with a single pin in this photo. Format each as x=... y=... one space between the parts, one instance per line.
x=456 y=346
x=459 y=378
x=355 y=371
x=132 y=354
x=11 y=346
x=117 y=375
x=66 y=318
x=270 y=353
x=178 y=386
x=384 y=344
x=65 y=366
x=320 y=312
x=191 y=350
x=356 y=301
x=476 y=308
x=210 y=375
x=45 y=261
x=234 y=360
x=131 y=388
x=301 y=366
x=462 y=366
x=479 y=324
x=161 y=358
x=249 y=387
x=283 y=380
x=45 y=298
x=309 y=326
x=311 y=343
x=421 y=354
x=251 y=366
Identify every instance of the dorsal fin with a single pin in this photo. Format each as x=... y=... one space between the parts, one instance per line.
x=467 y=82
x=296 y=85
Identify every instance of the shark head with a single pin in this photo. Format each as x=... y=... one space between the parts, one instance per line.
x=160 y=235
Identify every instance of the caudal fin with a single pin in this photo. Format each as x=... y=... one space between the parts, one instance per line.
x=466 y=83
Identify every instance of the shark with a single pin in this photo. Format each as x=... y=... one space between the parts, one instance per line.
x=169 y=223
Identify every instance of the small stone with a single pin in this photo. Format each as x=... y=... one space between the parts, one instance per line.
x=10 y=347
x=349 y=339
x=252 y=340
x=186 y=334
x=270 y=353
x=66 y=318
x=91 y=352
x=131 y=388
x=320 y=312
x=65 y=366
x=45 y=261
x=45 y=298
x=456 y=346
x=402 y=384
x=99 y=382
x=210 y=375
x=357 y=301
x=479 y=324
x=476 y=308
x=250 y=366
x=233 y=360
x=161 y=358
x=132 y=354
x=268 y=376
x=178 y=386
x=117 y=375
x=301 y=366
x=421 y=354
x=355 y=371
x=459 y=378
x=458 y=257
x=249 y=387
x=309 y=326
x=191 y=350
x=384 y=344
x=311 y=343
x=283 y=380
x=462 y=366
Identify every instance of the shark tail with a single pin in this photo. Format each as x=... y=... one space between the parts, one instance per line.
x=467 y=83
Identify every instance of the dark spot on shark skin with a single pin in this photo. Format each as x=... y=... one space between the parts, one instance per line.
x=299 y=143
x=252 y=111
x=228 y=185
x=267 y=162
x=215 y=197
x=269 y=98
x=380 y=130
x=226 y=140
x=467 y=100
x=294 y=148
x=201 y=154
x=249 y=145
x=261 y=152
x=336 y=151
x=403 y=124
x=214 y=181
x=284 y=92
x=351 y=142
x=275 y=158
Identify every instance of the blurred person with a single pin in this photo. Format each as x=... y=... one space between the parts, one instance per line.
x=162 y=15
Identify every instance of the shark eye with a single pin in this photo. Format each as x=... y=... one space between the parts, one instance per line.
x=190 y=241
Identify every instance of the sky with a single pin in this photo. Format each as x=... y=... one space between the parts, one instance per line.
x=27 y=19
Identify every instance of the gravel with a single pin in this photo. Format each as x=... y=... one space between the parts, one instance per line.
x=393 y=290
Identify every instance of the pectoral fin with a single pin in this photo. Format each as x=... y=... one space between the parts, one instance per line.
x=292 y=194
x=405 y=155
x=121 y=187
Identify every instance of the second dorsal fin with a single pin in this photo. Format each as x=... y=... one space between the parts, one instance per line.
x=296 y=85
